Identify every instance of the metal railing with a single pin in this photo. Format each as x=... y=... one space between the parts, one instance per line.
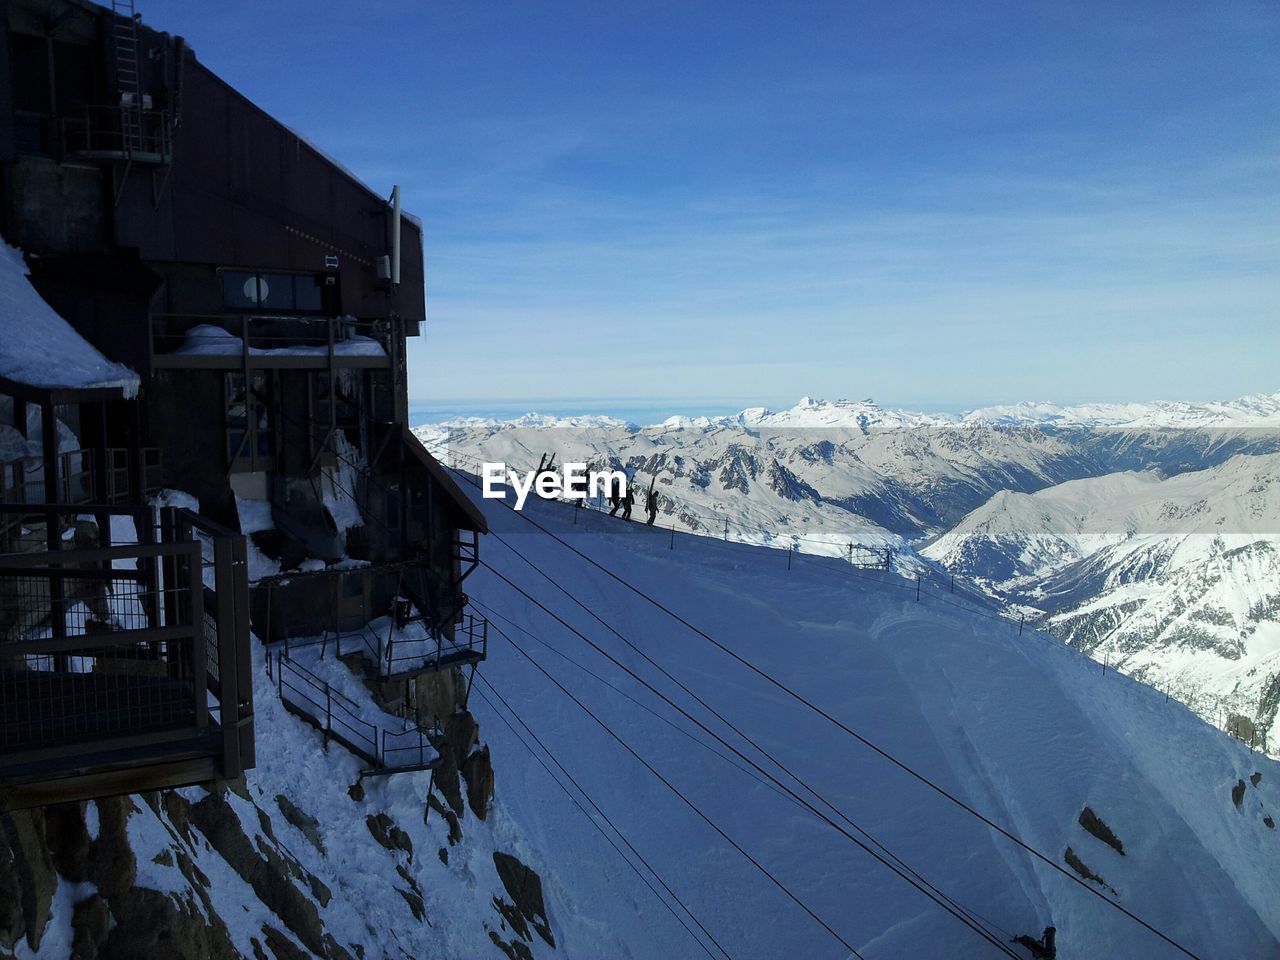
x=105 y=645
x=23 y=480
x=331 y=712
x=396 y=658
x=338 y=719
x=259 y=333
x=120 y=131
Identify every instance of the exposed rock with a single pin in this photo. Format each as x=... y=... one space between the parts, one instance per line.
x=156 y=926
x=455 y=827
x=1094 y=825
x=415 y=902
x=388 y=834
x=1255 y=778
x=514 y=950
x=458 y=736
x=439 y=694
x=461 y=733
x=90 y=925
x=263 y=869
x=112 y=867
x=178 y=811
x=1270 y=824
x=1237 y=794
x=443 y=854
x=68 y=840
x=447 y=780
x=12 y=924
x=27 y=886
x=524 y=886
x=514 y=918
x=307 y=824
x=356 y=791
x=319 y=890
x=1079 y=866
x=477 y=771
x=281 y=946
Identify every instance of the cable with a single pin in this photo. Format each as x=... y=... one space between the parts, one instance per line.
x=969 y=918
x=689 y=803
x=942 y=791
x=603 y=815
x=919 y=883
x=847 y=730
x=491 y=615
x=783 y=792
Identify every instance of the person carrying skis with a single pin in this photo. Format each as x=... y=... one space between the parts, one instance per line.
x=651 y=503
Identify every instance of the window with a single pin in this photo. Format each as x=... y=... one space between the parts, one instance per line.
x=73 y=75
x=250 y=434
x=32 y=85
x=273 y=292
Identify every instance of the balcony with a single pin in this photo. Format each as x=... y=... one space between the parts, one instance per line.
x=249 y=341
x=124 y=654
x=392 y=654
x=22 y=481
x=117 y=133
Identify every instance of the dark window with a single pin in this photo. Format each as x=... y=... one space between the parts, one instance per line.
x=73 y=72
x=382 y=399
x=240 y=290
x=248 y=417
x=307 y=293
x=273 y=292
x=32 y=85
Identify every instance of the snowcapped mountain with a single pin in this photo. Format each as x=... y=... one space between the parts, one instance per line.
x=1257 y=410
x=843 y=471
x=869 y=482
x=1173 y=579
x=1113 y=521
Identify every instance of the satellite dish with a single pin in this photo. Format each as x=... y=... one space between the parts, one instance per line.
x=256 y=289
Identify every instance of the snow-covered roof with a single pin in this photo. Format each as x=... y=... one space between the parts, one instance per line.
x=40 y=349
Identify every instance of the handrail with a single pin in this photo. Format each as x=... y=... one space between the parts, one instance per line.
x=329 y=709
x=475 y=628
x=315 y=330
x=321 y=704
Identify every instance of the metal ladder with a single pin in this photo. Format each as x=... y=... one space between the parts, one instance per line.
x=124 y=43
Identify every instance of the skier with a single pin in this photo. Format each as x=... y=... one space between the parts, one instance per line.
x=628 y=499
x=1046 y=948
x=651 y=503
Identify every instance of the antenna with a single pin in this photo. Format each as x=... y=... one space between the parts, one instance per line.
x=395 y=234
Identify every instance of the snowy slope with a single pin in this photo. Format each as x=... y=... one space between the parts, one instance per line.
x=1024 y=729
x=1176 y=580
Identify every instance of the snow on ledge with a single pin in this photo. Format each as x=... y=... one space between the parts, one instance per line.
x=40 y=348
x=209 y=340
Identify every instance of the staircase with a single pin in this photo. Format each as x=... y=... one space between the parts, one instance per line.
x=342 y=720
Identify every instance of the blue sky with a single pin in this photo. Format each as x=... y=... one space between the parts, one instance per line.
x=933 y=204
